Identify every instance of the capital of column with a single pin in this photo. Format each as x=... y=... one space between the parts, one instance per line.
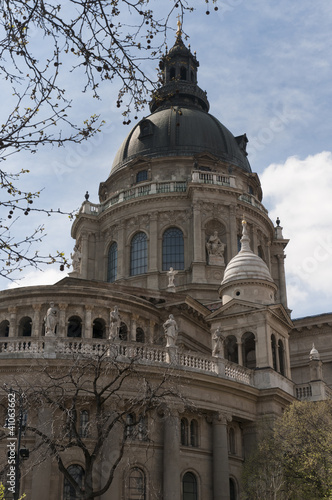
x=221 y=418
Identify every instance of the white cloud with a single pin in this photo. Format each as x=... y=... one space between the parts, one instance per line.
x=37 y=277
x=299 y=192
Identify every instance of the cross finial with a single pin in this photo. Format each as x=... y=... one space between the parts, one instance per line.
x=179 y=31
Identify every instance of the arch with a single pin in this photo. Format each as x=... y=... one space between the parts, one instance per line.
x=183 y=73
x=112 y=262
x=232 y=489
x=172 y=73
x=231 y=441
x=249 y=350
x=25 y=327
x=84 y=423
x=4 y=328
x=77 y=473
x=189 y=486
x=274 y=351
x=281 y=353
x=140 y=336
x=173 y=249
x=138 y=254
x=184 y=431
x=99 y=329
x=123 y=332
x=136 y=484
x=74 y=327
x=194 y=433
x=231 y=351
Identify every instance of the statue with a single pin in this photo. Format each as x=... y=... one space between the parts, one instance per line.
x=218 y=343
x=215 y=249
x=115 y=322
x=171 y=275
x=51 y=320
x=171 y=331
x=76 y=259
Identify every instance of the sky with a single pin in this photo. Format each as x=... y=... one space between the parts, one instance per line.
x=266 y=67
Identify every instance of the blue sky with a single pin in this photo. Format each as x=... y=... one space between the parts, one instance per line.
x=266 y=67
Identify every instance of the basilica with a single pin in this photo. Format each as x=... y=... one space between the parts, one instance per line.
x=180 y=264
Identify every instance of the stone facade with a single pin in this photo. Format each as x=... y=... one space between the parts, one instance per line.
x=191 y=203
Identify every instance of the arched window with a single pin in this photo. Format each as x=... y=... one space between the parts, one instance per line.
x=142 y=176
x=130 y=424
x=112 y=262
x=139 y=254
x=189 y=486
x=172 y=73
x=84 y=423
x=249 y=350
x=25 y=327
x=136 y=486
x=232 y=489
x=281 y=357
x=183 y=73
x=274 y=351
x=4 y=328
x=99 y=329
x=194 y=433
x=231 y=352
x=184 y=431
x=140 y=337
x=173 y=249
x=74 y=327
x=123 y=332
x=77 y=473
x=231 y=441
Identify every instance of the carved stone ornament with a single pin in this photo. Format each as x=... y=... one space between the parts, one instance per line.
x=215 y=249
x=51 y=320
x=171 y=331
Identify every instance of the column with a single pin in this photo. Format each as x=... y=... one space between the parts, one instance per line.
x=239 y=352
x=150 y=338
x=88 y=322
x=171 y=457
x=12 y=322
x=233 y=250
x=41 y=475
x=197 y=233
x=36 y=332
x=62 y=331
x=121 y=253
x=282 y=279
x=254 y=240
x=85 y=255
x=153 y=244
x=220 y=457
x=133 y=327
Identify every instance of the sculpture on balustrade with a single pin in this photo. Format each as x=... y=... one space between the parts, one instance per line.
x=215 y=249
x=218 y=343
x=171 y=331
x=115 y=323
x=76 y=259
x=171 y=275
x=51 y=320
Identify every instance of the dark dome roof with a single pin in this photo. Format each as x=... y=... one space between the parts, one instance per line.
x=181 y=131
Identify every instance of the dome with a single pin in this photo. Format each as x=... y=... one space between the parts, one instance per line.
x=179 y=123
x=182 y=130
x=246 y=265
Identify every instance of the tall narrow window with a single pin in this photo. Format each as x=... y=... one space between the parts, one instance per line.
x=183 y=73
x=281 y=357
x=74 y=327
x=77 y=473
x=184 y=431
x=173 y=249
x=137 y=486
x=249 y=350
x=139 y=254
x=193 y=433
x=189 y=486
x=99 y=329
x=4 y=328
x=123 y=333
x=25 y=327
x=140 y=337
x=112 y=263
x=232 y=489
x=84 y=423
x=231 y=441
x=274 y=351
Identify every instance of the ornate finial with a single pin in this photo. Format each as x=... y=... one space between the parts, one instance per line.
x=245 y=240
x=314 y=354
x=179 y=31
x=87 y=196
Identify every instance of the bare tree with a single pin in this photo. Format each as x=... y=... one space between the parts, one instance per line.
x=94 y=406
x=99 y=40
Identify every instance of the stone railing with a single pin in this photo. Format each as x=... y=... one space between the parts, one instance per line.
x=303 y=391
x=50 y=347
x=213 y=178
x=248 y=198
